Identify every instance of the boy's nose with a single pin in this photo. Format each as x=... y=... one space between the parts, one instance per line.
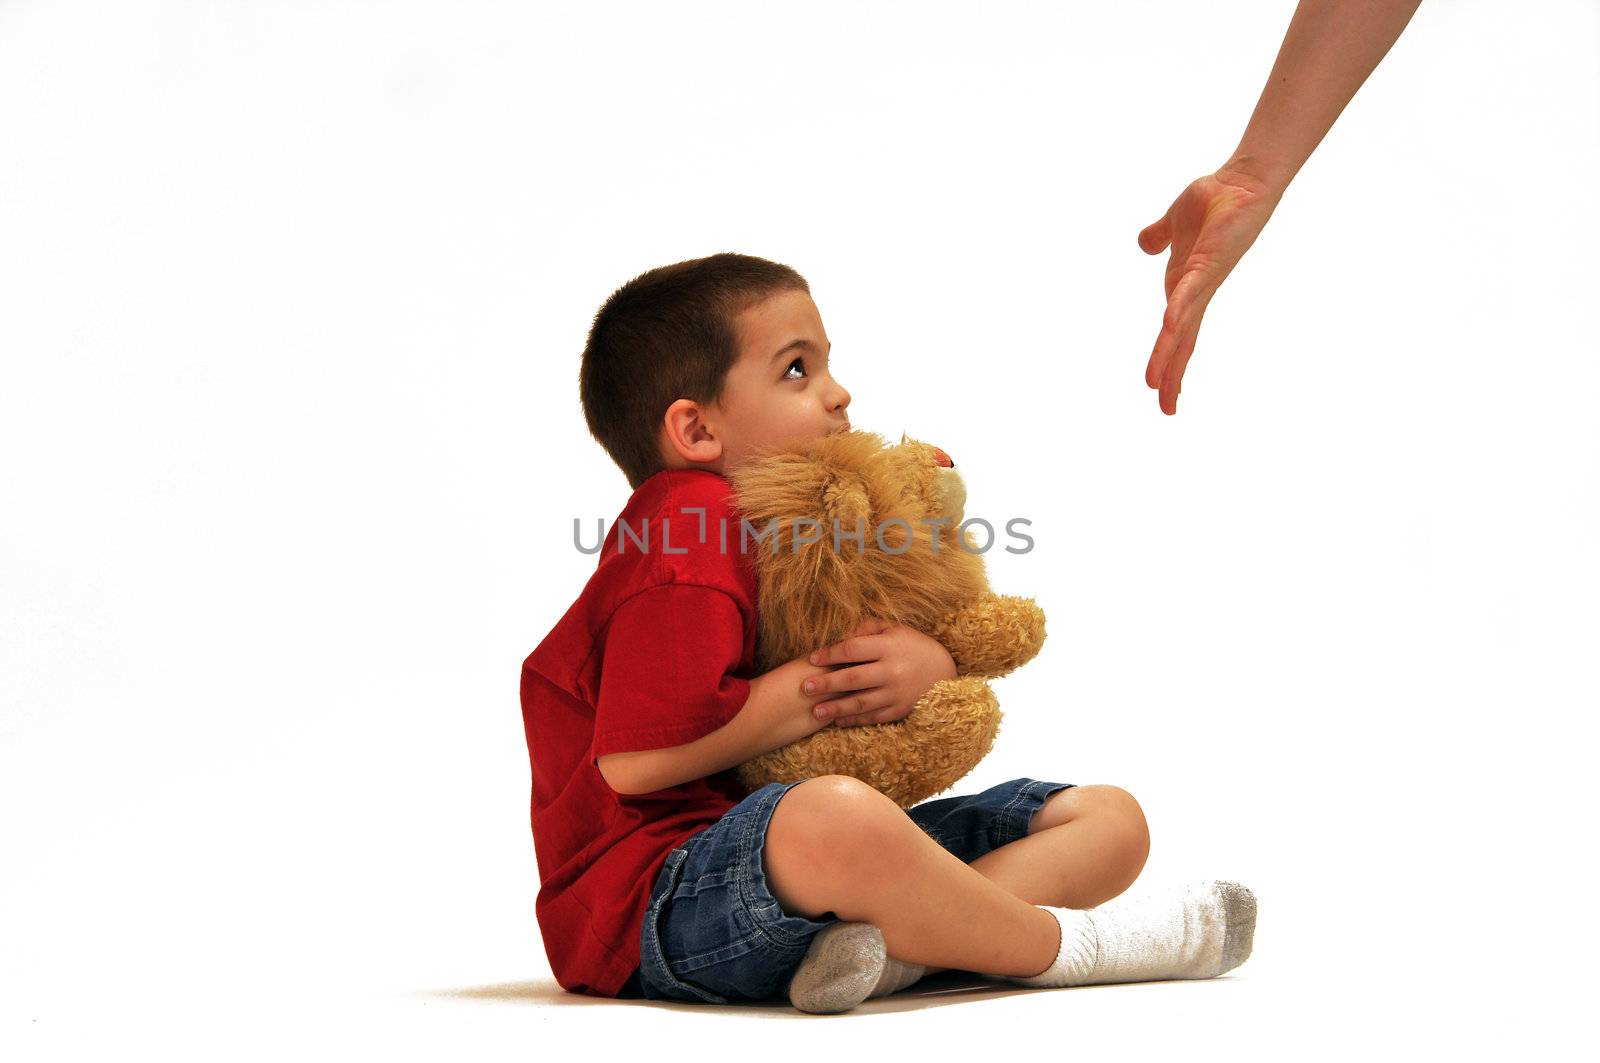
x=941 y=459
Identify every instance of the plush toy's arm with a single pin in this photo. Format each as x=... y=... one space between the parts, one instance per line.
x=992 y=636
x=952 y=727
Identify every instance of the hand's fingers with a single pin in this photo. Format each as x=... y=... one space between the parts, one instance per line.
x=1161 y=353
x=861 y=677
x=885 y=715
x=1179 y=321
x=1191 y=293
x=1172 y=382
x=869 y=707
x=1177 y=268
x=851 y=648
x=848 y=707
x=1192 y=312
x=868 y=625
x=1153 y=238
x=1172 y=325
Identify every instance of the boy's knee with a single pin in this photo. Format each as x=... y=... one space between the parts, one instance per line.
x=835 y=816
x=1127 y=807
x=1132 y=829
x=1124 y=818
x=823 y=833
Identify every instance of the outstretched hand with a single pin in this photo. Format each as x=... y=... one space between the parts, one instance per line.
x=1209 y=226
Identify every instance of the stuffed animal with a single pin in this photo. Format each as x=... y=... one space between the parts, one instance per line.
x=888 y=564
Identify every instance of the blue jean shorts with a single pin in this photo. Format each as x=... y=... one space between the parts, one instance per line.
x=713 y=931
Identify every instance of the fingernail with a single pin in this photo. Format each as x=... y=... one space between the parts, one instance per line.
x=814 y=658
x=809 y=685
x=822 y=714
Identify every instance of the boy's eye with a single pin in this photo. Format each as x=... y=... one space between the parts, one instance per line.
x=801 y=362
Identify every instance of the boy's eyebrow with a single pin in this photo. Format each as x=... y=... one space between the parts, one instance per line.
x=792 y=344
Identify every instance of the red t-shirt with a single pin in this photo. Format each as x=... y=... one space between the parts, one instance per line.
x=658 y=650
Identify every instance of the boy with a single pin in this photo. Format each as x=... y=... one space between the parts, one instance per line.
x=658 y=876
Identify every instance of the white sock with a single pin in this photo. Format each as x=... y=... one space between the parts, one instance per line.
x=1194 y=930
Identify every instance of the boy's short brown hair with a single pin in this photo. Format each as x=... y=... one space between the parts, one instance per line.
x=667 y=334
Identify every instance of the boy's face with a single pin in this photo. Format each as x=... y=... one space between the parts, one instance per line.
x=779 y=391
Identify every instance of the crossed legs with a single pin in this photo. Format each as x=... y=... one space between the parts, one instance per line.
x=835 y=844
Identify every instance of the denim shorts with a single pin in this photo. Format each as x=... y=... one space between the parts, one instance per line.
x=713 y=932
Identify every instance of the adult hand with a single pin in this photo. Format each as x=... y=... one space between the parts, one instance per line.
x=890 y=667
x=1209 y=226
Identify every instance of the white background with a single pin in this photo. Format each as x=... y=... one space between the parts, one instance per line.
x=292 y=298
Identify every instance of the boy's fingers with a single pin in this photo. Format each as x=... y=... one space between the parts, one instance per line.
x=858 y=678
x=853 y=648
x=877 y=712
x=838 y=708
x=856 y=709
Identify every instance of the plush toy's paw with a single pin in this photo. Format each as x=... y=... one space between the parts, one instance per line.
x=993 y=636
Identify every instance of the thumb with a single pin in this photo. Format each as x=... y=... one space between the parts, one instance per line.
x=1154 y=238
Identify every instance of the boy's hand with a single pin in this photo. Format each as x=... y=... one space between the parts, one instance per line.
x=890 y=667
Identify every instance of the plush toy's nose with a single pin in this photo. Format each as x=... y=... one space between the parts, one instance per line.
x=941 y=459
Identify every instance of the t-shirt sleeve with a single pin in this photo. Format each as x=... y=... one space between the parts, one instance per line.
x=666 y=677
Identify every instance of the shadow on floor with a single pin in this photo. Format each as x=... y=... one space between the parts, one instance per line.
x=945 y=987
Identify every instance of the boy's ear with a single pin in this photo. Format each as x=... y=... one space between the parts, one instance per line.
x=686 y=433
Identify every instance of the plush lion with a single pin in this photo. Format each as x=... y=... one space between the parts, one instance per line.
x=893 y=561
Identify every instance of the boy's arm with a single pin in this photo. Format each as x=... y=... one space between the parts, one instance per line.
x=774 y=714
x=672 y=705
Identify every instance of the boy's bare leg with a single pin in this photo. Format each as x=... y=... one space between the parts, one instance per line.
x=1085 y=845
x=837 y=845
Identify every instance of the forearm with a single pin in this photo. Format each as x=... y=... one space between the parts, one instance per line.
x=775 y=714
x=1330 y=48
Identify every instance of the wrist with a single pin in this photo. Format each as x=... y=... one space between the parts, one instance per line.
x=1257 y=174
